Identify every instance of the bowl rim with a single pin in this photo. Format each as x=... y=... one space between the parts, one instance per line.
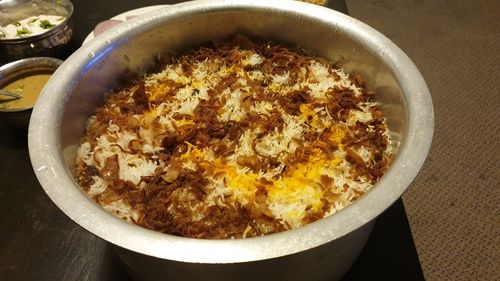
x=54 y=177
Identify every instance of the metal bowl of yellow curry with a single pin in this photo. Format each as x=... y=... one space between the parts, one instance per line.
x=20 y=85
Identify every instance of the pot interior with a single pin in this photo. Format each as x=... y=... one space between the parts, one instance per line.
x=142 y=48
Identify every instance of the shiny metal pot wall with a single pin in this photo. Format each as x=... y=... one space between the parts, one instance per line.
x=323 y=250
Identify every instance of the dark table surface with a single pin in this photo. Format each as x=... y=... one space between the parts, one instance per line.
x=38 y=242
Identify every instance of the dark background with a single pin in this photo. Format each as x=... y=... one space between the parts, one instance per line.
x=38 y=242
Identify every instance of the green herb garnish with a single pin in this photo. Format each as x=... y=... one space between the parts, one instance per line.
x=32 y=21
x=23 y=31
x=16 y=23
x=60 y=19
x=45 y=24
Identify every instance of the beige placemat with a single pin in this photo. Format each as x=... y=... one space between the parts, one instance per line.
x=454 y=204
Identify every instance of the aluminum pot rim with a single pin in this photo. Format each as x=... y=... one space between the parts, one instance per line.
x=54 y=177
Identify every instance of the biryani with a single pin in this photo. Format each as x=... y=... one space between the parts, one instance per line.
x=234 y=140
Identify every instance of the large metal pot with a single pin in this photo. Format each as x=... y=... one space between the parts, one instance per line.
x=323 y=250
